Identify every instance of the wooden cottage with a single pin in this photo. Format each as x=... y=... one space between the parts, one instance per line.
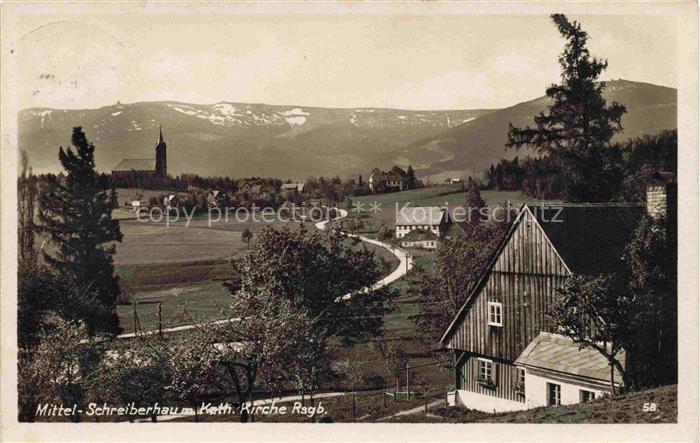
x=505 y=314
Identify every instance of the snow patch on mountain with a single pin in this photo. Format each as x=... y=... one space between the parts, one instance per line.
x=185 y=111
x=297 y=120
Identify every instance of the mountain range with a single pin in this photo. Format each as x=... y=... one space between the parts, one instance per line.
x=240 y=139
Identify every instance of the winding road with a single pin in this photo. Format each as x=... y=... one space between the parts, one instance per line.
x=405 y=265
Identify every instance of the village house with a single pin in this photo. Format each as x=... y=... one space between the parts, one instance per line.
x=255 y=188
x=380 y=181
x=452 y=181
x=420 y=238
x=144 y=167
x=507 y=355
x=430 y=222
x=293 y=187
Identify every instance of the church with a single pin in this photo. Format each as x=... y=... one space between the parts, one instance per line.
x=144 y=167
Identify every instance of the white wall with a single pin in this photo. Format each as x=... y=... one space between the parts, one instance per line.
x=486 y=403
x=402 y=230
x=536 y=391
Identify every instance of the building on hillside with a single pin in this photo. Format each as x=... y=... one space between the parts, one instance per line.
x=556 y=372
x=452 y=181
x=502 y=362
x=427 y=218
x=255 y=187
x=293 y=187
x=420 y=238
x=259 y=189
x=392 y=181
x=144 y=167
x=214 y=198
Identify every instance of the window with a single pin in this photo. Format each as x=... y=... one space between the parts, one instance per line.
x=521 y=376
x=485 y=369
x=553 y=394
x=495 y=313
x=586 y=396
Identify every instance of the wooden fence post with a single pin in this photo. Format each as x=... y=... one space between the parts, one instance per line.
x=160 y=319
x=353 y=404
x=408 y=387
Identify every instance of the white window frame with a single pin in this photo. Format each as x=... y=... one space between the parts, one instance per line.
x=497 y=318
x=487 y=366
x=557 y=394
x=587 y=392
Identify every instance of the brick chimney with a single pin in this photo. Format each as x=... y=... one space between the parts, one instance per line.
x=662 y=195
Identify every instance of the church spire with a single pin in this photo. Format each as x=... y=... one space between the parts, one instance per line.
x=161 y=156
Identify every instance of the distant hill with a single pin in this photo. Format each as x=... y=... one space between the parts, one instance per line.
x=237 y=139
x=476 y=144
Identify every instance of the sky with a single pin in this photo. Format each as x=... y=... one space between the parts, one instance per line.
x=393 y=61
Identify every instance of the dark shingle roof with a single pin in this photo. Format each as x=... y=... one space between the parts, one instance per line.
x=136 y=164
x=590 y=238
x=558 y=353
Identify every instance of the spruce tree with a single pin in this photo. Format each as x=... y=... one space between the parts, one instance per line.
x=575 y=132
x=76 y=213
x=475 y=204
x=410 y=178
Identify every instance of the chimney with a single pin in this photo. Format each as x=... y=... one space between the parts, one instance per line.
x=662 y=195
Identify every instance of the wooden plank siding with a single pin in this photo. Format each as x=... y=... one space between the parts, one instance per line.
x=523 y=278
x=506 y=377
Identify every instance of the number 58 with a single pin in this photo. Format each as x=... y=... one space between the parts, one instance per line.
x=649 y=407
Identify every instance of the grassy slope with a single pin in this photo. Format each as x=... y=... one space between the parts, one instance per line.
x=625 y=408
x=620 y=409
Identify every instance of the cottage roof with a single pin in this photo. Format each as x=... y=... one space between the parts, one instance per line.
x=385 y=176
x=420 y=215
x=419 y=235
x=590 y=238
x=554 y=352
x=136 y=164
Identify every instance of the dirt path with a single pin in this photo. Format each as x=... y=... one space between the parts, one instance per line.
x=416 y=410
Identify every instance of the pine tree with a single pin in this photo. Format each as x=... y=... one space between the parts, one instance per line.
x=26 y=198
x=410 y=178
x=76 y=212
x=575 y=132
x=475 y=204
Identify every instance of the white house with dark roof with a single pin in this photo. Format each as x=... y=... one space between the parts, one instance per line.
x=433 y=219
x=420 y=238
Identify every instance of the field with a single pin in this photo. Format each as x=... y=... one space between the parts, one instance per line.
x=182 y=263
x=443 y=195
x=181 y=266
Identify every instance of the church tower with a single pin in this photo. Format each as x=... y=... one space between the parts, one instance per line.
x=161 y=158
